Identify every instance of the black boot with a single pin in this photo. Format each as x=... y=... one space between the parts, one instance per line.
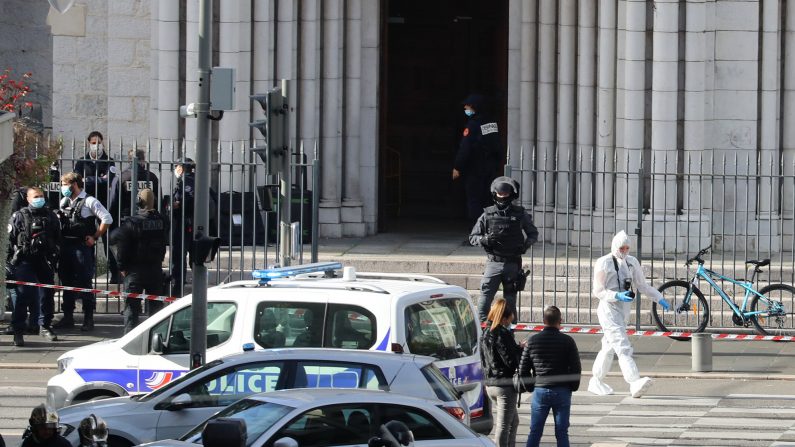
x=88 y=324
x=67 y=322
x=18 y=340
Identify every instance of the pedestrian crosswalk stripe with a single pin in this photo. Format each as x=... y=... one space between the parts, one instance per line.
x=718 y=421
x=739 y=434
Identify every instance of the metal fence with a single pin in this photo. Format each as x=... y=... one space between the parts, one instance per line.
x=244 y=209
x=672 y=204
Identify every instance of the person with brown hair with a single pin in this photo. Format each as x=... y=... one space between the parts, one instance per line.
x=499 y=357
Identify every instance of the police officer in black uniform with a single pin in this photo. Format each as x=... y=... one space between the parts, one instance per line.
x=19 y=200
x=123 y=184
x=505 y=231
x=99 y=173
x=479 y=155
x=34 y=234
x=181 y=223
x=141 y=241
x=79 y=233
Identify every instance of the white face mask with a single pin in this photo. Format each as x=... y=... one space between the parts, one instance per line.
x=95 y=149
x=177 y=173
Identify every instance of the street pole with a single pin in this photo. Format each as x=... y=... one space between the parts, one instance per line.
x=285 y=183
x=198 y=339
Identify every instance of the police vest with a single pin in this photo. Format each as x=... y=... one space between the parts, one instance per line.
x=37 y=240
x=76 y=226
x=150 y=238
x=506 y=226
x=490 y=140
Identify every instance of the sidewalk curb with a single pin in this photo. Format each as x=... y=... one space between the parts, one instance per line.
x=28 y=366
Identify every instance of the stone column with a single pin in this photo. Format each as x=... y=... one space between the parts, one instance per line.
x=768 y=190
x=664 y=108
x=545 y=153
x=632 y=86
x=371 y=56
x=697 y=192
x=606 y=108
x=165 y=103
x=352 y=223
x=525 y=110
x=567 y=66
x=586 y=74
x=788 y=127
x=330 y=148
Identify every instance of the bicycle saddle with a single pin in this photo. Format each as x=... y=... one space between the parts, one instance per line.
x=761 y=263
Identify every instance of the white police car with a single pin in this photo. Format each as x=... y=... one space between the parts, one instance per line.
x=302 y=306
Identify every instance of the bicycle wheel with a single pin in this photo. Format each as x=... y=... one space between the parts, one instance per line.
x=692 y=316
x=776 y=300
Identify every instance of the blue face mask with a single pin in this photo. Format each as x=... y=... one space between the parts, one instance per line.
x=469 y=112
x=38 y=202
x=66 y=190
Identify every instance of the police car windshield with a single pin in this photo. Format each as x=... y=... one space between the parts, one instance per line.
x=179 y=381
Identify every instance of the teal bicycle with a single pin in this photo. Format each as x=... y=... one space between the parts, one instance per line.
x=765 y=310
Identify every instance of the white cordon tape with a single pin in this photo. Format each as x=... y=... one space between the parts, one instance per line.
x=142 y=296
x=593 y=330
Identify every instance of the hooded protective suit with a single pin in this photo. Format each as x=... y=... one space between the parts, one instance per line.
x=608 y=282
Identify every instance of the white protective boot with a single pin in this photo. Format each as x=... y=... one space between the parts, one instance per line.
x=637 y=385
x=601 y=365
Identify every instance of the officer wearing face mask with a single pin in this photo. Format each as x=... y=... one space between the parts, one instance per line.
x=33 y=236
x=79 y=233
x=99 y=173
x=140 y=242
x=123 y=184
x=181 y=223
x=505 y=231
x=479 y=155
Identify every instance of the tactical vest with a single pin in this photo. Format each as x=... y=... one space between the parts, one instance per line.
x=506 y=226
x=37 y=240
x=150 y=238
x=77 y=227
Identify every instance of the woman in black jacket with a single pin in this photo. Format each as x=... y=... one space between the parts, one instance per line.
x=499 y=356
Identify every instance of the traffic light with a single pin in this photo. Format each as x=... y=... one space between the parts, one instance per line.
x=204 y=249
x=271 y=127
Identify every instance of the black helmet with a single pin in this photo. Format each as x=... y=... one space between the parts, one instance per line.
x=43 y=415
x=93 y=431
x=504 y=190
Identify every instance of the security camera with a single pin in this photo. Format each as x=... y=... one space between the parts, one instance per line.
x=187 y=111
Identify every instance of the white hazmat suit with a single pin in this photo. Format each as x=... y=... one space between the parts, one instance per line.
x=608 y=282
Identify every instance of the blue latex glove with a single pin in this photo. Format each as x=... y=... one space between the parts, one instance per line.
x=664 y=304
x=624 y=296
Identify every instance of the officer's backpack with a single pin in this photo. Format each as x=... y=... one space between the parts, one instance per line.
x=38 y=239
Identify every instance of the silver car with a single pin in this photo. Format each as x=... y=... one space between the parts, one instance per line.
x=292 y=418
x=178 y=406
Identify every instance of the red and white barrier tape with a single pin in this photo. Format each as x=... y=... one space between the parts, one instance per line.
x=596 y=330
x=142 y=296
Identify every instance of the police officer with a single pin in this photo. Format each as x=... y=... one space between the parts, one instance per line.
x=79 y=214
x=34 y=234
x=181 y=223
x=19 y=200
x=43 y=430
x=505 y=231
x=123 y=184
x=99 y=173
x=140 y=241
x=93 y=431
x=479 y=155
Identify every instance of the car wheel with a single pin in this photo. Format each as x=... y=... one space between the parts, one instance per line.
x=115 y=441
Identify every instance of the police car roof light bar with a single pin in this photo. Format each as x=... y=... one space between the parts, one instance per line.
x=265 y=275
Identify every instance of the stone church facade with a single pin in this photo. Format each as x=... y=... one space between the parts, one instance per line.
x=591 y=86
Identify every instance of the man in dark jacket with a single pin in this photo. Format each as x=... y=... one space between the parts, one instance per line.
x=479 y=155
x=554 y=360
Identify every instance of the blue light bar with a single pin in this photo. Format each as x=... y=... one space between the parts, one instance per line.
x=266 y=275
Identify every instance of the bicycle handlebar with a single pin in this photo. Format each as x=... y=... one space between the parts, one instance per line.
x=697 y=258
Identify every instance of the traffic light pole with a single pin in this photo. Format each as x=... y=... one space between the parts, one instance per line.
x=198 y=339
x=285 y=193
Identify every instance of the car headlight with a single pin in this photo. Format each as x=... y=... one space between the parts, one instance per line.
x=63 y=364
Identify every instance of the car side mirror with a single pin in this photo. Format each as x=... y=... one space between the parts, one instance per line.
x=157 y=346
x=286 y=442
x=225 y=432
x=180 y=402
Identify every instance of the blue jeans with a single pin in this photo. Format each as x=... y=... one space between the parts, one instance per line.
x=558 y=399
x=38 y=301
